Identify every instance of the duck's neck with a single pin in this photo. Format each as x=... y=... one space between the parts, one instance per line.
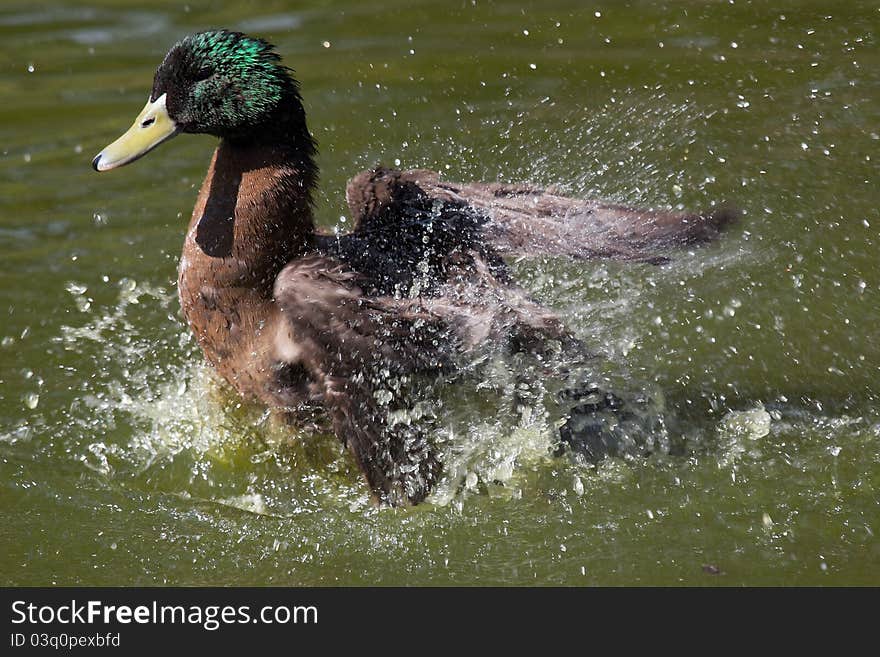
x=253 y=215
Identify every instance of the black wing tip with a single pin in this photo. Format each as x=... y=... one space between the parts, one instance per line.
x=721 y=218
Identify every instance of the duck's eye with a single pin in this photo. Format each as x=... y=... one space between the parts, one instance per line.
x=148 y=122
x=203 y=74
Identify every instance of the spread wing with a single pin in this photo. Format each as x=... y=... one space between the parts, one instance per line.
x=366 y=354
x=362 y=354
x=523 y=220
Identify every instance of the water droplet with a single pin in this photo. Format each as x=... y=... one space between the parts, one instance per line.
x=31 y=400
x=76 y=289
x=753 y=423
x=127 y=284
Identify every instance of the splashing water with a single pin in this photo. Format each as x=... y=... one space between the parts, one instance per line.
x=181 y=420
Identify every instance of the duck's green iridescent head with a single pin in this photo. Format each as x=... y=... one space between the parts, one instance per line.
x=219 y=82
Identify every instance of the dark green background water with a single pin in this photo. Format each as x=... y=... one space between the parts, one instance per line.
x=122 y=462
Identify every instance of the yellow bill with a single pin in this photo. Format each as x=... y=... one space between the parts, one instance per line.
x=150 y=128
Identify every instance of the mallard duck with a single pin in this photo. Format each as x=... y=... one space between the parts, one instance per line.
x=295 y=318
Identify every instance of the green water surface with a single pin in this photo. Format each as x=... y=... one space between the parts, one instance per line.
x=123 y=462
